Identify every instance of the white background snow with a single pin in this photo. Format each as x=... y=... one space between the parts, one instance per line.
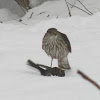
x=19 y=42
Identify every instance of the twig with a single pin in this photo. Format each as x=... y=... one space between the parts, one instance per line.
x=31 y=15
x=68 y=9
x=41 y=13
x=20 y=21
x=73 y=3
x=84 y=6
x=88 y=79
x=48 y=15
x=78 y=8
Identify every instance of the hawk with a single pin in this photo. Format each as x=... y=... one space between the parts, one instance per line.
x=57 y=45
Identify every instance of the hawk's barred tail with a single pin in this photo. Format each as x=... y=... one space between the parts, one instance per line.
x=64 y=64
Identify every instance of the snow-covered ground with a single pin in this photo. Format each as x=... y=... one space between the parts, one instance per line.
x=7 y=15
x=19 y=42
x=12 y=6
x=50 y=8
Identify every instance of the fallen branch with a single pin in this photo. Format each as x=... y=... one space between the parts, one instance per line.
x=88 y=79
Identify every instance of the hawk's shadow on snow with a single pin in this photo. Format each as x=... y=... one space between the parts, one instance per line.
x=46 y=70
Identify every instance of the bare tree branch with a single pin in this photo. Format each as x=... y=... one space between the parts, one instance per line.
x=78 y=8
x=88 y=79
x=84 y=7
x=68 y=9
x=74 y=3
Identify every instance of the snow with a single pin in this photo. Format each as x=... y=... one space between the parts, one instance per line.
x=19 y=42
x=12 y=6
x=51 y=8
x=7 y=15
x=58 y=9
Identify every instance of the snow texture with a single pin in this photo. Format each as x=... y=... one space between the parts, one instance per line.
x=19 y=42
x=12 y=6
x=7 y=15
x=56 y=5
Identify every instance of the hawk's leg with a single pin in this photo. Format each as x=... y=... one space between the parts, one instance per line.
x=51 y=61
x=60 y=70
x=60 y=66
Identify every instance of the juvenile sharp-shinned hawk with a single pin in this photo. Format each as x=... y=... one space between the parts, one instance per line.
x=57 y=45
